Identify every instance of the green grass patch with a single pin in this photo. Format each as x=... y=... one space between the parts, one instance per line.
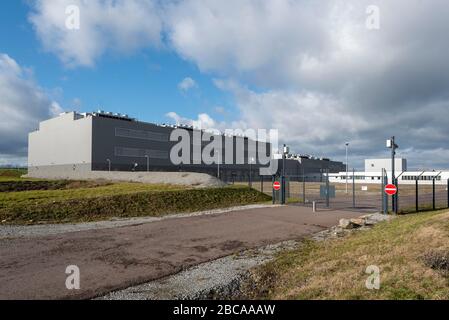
x=335 y=269
x=117 y=200
x=11 y=174
x=29 y=185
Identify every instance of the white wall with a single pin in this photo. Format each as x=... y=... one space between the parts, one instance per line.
x=376 y=165
x=64 y=140
x=373 y=177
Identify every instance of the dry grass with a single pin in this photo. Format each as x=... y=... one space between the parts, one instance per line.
x=117 y=200
x=335 y=269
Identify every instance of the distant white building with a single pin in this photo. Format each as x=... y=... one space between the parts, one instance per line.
x=373 y=173
x=376 y=165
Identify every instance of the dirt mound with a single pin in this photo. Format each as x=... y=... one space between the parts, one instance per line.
x=195 y=179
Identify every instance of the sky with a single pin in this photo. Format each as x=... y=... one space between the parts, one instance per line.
x=322 y=72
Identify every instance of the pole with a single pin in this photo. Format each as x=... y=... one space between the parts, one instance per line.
x=353 y=188
x=109 y=164
x=148 y=162
x=433 y=193
x=347 y=144
x=283 y=176
x=261 y=183
x=448 y=193
x=396 y=196
x=393 y=178
x=273 y=193
x=218 y=164
x=327 y=189
x=250 y=173
x=382 y=197
x=397 y=191
x=385 y=195
x=417 y=189
x=304 y=187
x=416 y=195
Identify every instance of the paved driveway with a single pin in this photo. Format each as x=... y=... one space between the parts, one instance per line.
x=117 y=258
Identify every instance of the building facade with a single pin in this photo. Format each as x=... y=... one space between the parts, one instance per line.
x=101 y=141
x=373 y=174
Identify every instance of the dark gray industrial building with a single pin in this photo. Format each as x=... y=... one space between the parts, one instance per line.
x=102 y=141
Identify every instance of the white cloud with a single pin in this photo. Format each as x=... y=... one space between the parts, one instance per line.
x=22 y=105
x=319 y=72
x=118 y=26
x=204 y=121
x=186 y=84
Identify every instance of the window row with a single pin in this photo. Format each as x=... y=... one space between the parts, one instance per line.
x=134 y=152
x=140 y=134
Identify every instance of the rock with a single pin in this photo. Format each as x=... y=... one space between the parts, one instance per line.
x=338 y=232
x=3 y=221
x=351 y=223
x=345 y=224
x=372 y=219
x=359 y=222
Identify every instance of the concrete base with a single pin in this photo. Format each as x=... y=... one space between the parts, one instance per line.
x=82 y=172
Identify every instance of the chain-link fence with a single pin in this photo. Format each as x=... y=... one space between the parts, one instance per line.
x=355 y=195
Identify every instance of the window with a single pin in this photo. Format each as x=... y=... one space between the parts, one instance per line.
x=140 y=153
x=140 y=134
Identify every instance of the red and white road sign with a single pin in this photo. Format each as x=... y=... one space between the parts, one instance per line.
x=276 y=185
x=391 y=189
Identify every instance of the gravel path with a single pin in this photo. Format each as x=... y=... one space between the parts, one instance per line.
x=17 y=231
x=217 y=278
x=112 y=259
x=222 y=278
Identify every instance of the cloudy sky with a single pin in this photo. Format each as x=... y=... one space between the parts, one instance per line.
x=321 y=72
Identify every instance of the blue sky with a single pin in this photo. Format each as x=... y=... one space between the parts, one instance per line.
x=319 y=71
x=143 y=84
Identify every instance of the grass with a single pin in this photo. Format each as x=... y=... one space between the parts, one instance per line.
x=30 y=185
x=335 y=269
x=91 y=201
x=11 y=174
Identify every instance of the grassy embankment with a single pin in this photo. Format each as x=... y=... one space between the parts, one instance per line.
x=411 y=251
x=39 y=201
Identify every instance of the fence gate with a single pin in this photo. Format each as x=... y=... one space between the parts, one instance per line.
x=304 y=190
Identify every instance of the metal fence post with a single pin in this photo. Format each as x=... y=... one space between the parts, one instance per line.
x=433 y=193
x=448 y=193
x=327 y=189
x=273 y=193
x=250 y=180
x=382 y=198
x=304 y=187
x=261 y=184
x=383 y=191
x=416 y=195
x=397 y=196
x=353 y=187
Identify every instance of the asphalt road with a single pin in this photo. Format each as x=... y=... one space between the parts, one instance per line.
x=116 y=258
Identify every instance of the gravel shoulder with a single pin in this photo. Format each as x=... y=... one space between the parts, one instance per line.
x=223 y=278
x=219 y=278
x=19 y=231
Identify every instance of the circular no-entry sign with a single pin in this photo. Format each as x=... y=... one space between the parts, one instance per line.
x=391 y=189
x=276 y=185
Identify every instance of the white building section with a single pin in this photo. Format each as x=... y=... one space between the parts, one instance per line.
x=376 y=165
x=373 y=174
